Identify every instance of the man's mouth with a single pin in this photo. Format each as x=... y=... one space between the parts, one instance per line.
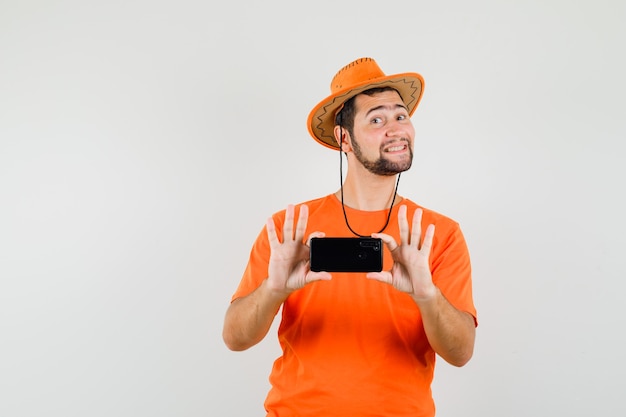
x=398 y=147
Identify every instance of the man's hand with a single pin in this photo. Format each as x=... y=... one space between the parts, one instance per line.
x=289 y=266
x=410 y=272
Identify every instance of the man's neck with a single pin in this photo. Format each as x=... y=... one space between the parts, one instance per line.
x=368 y=192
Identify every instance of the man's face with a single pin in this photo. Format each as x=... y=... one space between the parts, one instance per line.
x=383 y=133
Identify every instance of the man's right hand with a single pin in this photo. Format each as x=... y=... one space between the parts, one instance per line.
x=289 y=265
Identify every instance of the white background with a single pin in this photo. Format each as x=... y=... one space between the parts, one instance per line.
x=144 y=143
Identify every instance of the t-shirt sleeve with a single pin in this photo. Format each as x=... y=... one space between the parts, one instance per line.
x=256 y=269
x=451 y=270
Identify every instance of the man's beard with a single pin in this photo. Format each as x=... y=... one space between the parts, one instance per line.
x=382 y=166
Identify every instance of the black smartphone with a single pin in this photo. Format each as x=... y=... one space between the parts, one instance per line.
x=346 y=254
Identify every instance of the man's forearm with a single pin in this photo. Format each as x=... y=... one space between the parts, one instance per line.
x=248 y=319
x=450 y=332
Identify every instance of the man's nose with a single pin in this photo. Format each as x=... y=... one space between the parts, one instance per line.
x=396 y=128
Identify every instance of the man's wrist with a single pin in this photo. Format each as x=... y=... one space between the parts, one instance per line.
x=426 y=296
x=275 y=294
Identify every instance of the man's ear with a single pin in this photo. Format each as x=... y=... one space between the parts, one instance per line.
x=343 y=135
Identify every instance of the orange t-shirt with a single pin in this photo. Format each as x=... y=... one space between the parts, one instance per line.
x=353 y=346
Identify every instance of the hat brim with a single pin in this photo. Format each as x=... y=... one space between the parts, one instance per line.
x=321 y=120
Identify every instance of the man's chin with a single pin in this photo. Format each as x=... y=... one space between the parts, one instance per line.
x=392 y=169
x=399 y=166
x=387 y=167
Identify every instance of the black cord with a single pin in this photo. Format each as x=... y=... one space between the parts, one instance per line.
x=343 y=207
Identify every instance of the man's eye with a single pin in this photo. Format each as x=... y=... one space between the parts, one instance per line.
x=402 y=117
x=377 y=120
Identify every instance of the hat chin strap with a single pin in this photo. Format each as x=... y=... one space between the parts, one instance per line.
x=343 y=207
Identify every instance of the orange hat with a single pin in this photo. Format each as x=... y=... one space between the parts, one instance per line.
x=354 y=78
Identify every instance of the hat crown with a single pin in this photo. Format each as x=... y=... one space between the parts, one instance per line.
x=356 y=72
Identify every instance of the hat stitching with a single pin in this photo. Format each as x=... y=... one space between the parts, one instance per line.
x=350 y=65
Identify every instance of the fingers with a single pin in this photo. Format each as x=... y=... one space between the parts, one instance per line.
x=384 y=276
x=416 y=233
x=288 y=225
x=312 y=235
x=416 y=228
x=387 y=240
x=409 y=236
x=289 y=233
x=302 y=221
x=428 y=239
x=403 y=225
x=271 y=233
x=317 y=276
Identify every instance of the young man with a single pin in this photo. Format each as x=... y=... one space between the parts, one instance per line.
x=359 y=344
